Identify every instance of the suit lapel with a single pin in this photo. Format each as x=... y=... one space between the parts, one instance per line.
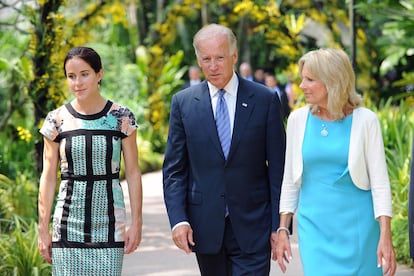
x=205 y=116
x=244 y=107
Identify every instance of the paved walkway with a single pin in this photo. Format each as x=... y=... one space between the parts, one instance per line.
x=157 y=254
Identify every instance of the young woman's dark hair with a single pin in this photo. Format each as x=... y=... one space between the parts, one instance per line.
x=87 y=54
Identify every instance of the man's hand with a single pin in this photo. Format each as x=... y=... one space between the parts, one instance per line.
x=183 y=238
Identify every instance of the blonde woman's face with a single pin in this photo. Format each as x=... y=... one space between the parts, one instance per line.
x=314 y=90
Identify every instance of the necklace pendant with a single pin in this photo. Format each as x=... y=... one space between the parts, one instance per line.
x=324 y=132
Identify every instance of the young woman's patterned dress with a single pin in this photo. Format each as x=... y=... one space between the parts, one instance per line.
x=89 y=217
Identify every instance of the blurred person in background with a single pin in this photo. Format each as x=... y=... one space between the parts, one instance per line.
x=271 y=82
x=259 y=75
x=194 y=77
x=245 y=71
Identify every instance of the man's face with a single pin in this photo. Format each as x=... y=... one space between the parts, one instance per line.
x=216 y=61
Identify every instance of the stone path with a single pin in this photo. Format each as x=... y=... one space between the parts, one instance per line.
x=158 y=256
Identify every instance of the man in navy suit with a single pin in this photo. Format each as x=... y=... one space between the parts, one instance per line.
x=411 y=207
x=225 y=209
x=271 y=82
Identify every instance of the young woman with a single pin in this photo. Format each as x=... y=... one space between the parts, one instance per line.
x=85 y=138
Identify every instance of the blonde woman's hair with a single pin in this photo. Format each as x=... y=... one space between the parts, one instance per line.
x=213 y=30
x=333 y=68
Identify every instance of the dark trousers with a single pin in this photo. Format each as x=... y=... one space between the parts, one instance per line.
x=232 y=261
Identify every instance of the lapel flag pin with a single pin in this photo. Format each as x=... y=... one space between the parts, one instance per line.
x=244 y=104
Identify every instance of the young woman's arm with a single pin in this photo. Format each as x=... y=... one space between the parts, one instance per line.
x=47 y=187
x=133 y=178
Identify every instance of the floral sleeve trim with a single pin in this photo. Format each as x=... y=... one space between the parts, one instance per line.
x=51 y=125
x=126 y=119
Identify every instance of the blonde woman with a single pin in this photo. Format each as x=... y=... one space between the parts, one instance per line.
x=335 y=176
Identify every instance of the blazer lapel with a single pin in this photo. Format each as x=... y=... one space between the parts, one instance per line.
x=205 y=115
x=244 y=107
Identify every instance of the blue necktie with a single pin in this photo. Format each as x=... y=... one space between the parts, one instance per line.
x=223 y=123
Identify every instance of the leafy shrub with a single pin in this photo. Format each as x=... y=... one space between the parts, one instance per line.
x=400 y=239
x=18 y=197
x=397 y=123
x=19 y=255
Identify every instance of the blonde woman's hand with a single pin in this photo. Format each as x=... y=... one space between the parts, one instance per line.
x=386 y=256
x=283 y=250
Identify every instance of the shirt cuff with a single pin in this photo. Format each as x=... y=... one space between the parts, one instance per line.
x=179 y=224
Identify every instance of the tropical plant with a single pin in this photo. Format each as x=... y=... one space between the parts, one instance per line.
x=397 y=123
x=18 y=250
x=390 y=26
x=400 y=240
x=159 y=92
x=18 y=197
x=14 y=77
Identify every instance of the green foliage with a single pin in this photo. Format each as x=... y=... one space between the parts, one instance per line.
x=15 y=74
x=399 y=228
x=15 y=120
x=389 y=25
x=5 y=182
x=18 y=197
x=165 y=82
x=16 y=147
x=15 y=153
x=397 y=123
x=19 y=255
x=149 y=160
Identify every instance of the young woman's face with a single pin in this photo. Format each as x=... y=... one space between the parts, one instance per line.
x=314 y=90
x=82 y=79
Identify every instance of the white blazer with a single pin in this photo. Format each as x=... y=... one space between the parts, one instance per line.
x=366 y=160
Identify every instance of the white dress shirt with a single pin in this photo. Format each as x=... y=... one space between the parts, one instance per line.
x=230 y=96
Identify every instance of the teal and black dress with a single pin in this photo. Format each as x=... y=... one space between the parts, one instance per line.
x=89 y=217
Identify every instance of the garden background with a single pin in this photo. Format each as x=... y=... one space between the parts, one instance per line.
x=146 y=47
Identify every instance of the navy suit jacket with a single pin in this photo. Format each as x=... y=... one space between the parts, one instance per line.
x=198 y=181
x=411 y=205
x=284 y=101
